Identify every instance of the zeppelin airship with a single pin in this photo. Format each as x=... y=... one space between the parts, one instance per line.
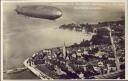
x=40 y=11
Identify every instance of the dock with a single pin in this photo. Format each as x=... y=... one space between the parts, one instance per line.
x=37 y=72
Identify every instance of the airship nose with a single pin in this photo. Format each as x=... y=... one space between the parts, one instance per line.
x=59 y=13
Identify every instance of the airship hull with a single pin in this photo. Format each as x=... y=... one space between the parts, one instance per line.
x=45 y=12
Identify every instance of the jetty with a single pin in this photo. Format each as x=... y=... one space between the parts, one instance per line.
x=37 y=72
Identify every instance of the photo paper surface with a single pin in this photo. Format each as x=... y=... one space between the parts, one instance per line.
x=63 y=40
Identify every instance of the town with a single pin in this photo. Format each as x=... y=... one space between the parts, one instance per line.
x=103 y=54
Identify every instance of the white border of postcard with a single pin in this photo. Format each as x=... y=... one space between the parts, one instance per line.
x=34 y=1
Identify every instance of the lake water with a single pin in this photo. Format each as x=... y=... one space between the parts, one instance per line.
x=18 y=46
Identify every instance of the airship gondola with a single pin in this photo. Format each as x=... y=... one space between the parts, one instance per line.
x=40 y=11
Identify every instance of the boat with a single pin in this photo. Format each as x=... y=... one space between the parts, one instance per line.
x=17 y=70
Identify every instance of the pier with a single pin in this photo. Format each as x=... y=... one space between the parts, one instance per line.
x=37 y=72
